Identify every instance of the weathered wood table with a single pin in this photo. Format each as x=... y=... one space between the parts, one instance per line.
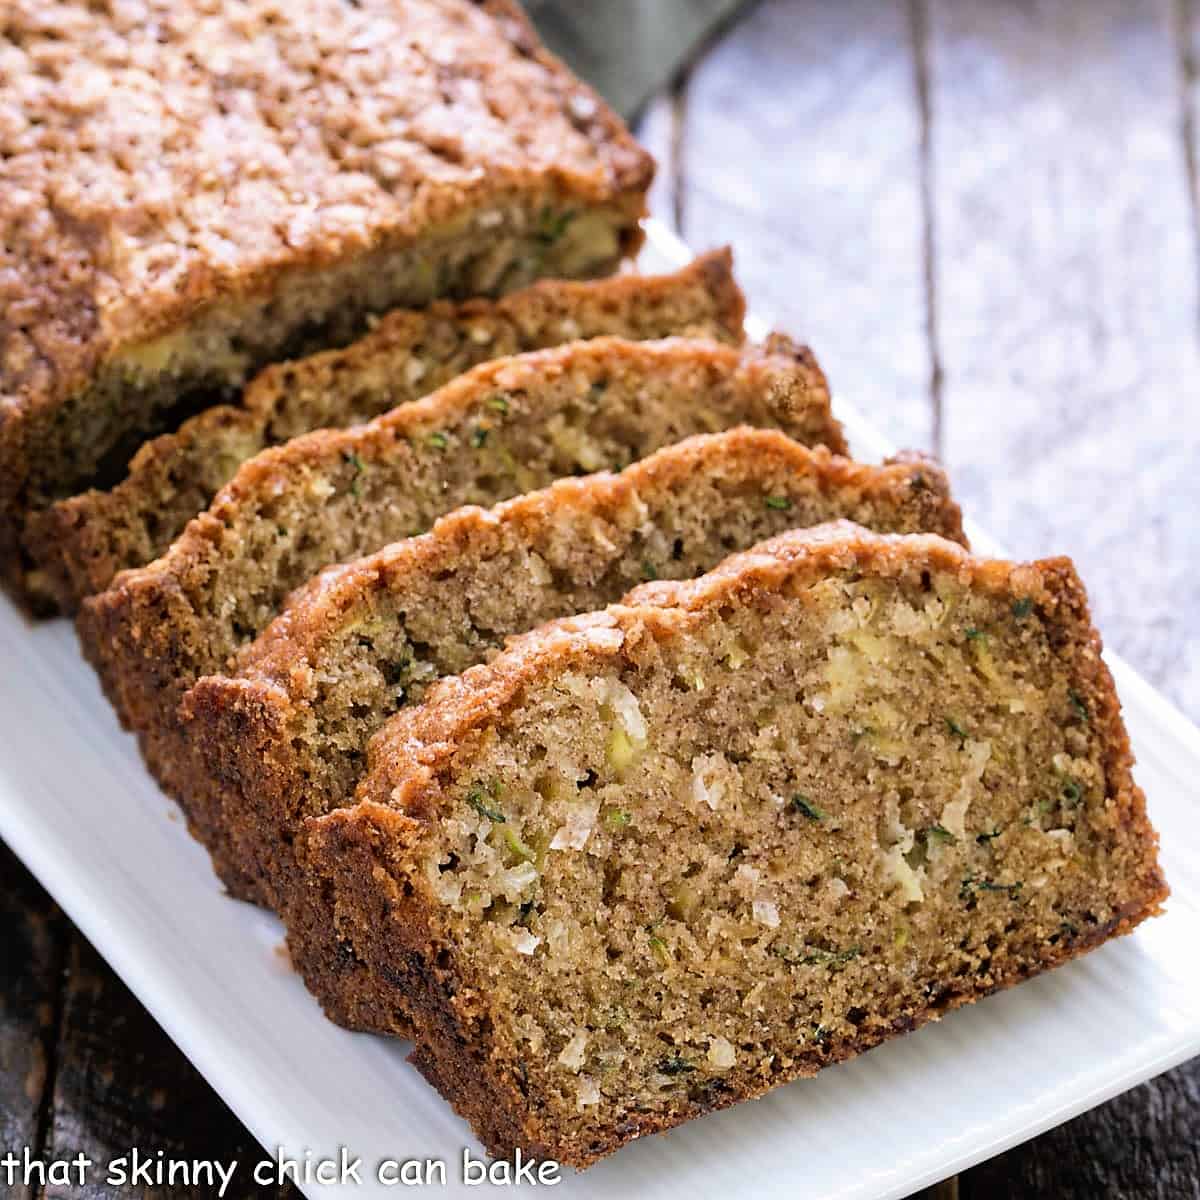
x=984 y=214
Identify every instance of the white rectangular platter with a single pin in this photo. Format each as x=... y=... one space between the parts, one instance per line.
x=80 y=810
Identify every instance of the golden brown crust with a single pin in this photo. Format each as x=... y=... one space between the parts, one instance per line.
x=364 y=853
x=80 y=544
x=205 y=157
x=161 y=627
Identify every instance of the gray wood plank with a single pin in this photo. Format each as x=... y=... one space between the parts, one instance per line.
x=33 y=938
x=801 y=146
x=1188 y=37
x=1066 y=292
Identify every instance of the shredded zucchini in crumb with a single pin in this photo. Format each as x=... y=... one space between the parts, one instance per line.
x=661 y=951
x=357 y=463
x=513 y=841
x=621 y=750
x=803 y=804
x=956 y=730
x=475 y=798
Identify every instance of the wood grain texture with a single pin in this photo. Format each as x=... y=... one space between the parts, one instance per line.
x=800 y=145
x=33 y=938
x=1066 y=293
x=1187 y=13
x=1065 y=285
x=122 y=1084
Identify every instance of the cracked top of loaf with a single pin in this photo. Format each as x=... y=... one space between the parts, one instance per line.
x=157 y=156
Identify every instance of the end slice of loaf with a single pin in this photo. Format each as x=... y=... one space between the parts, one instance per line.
x=428 y=149
x=81 y=543
x=660 y=859
x=503 y=428
x=286 y=737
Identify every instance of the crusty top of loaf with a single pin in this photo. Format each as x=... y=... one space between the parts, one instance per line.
x=163 y=154
x=409 y=754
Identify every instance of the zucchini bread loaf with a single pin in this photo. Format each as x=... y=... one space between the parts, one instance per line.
x=503 y=428
x=659 y=859
x=194 y=190
x=81 y=543
x=286 y=737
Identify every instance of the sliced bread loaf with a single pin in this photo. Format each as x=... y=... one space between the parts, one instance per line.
x=652 y=861
x=228 y=200
x=286 y=737
x=82 y=542
x=501 y=429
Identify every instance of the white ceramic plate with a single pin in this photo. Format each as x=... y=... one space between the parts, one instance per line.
x=77 y=806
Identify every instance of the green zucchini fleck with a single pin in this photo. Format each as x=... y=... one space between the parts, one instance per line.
x=475 y=798
x=359 y=467
x=1072 y=793
x=552 y=225
x=675 y=1064
x=803 y=804
x=956 y=730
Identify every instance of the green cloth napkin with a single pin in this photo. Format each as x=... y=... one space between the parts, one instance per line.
x=627 y=49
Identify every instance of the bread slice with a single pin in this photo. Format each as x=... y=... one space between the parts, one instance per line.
x=228 y=200
x=82 y=542
x=286 y=737
x=503 y=428
x=662 y=858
